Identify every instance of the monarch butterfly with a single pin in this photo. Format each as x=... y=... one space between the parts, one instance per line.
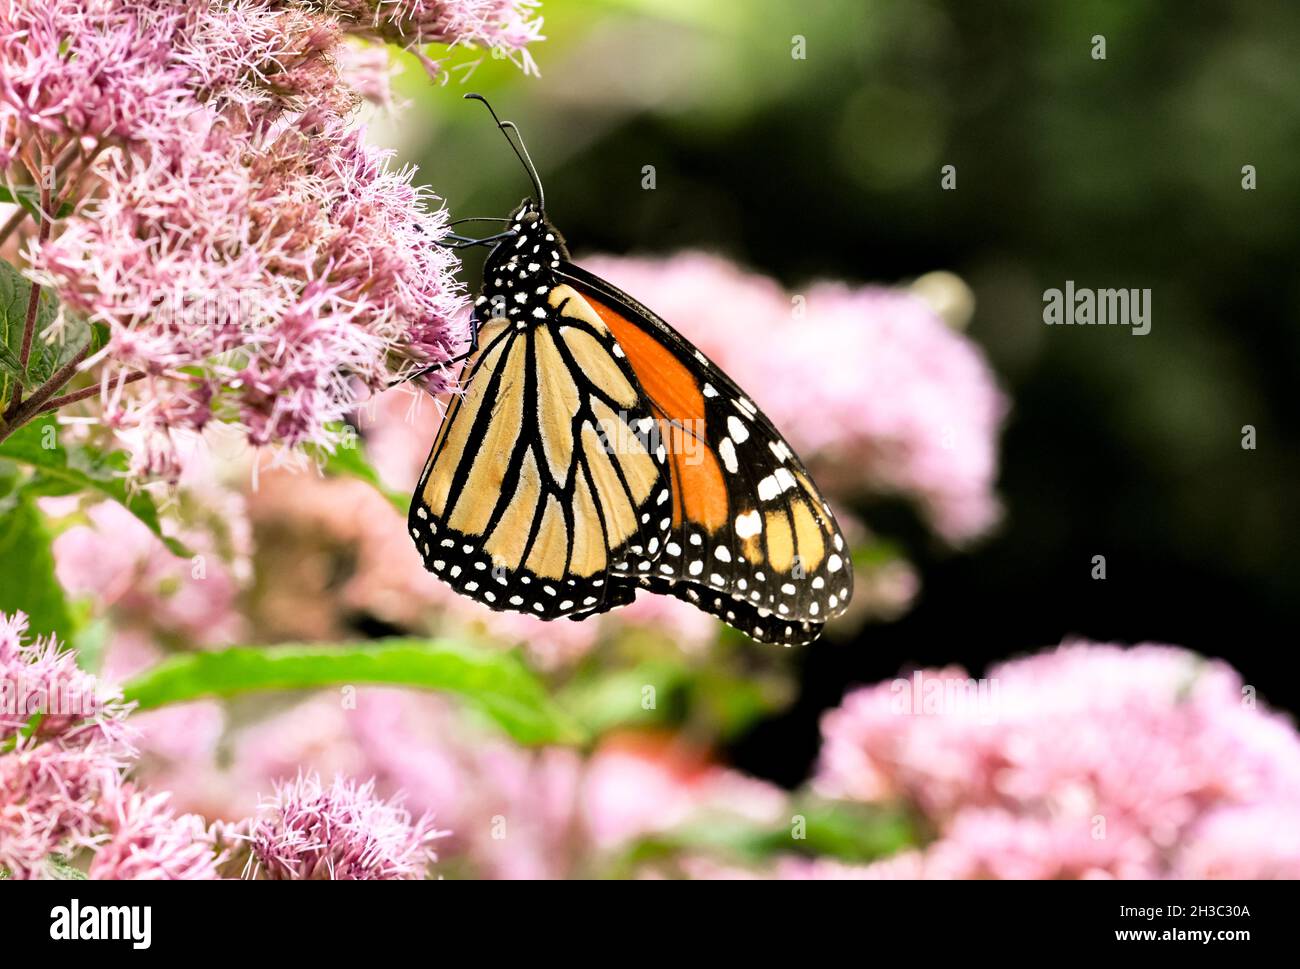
x=594 y=452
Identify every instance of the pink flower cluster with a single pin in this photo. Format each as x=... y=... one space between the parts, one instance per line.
x=145 y=839
x=65 y=750
x=506 y=26
x=1086 y=761
x=310 y=831
x=114 y=560
x=63 y=746
x=254 y=260
x=873 y=388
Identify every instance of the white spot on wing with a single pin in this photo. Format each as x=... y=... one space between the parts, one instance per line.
x=749 y=524
x=727 y=451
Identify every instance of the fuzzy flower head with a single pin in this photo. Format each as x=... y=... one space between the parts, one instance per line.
x=146 y=840
x=63 y=745
x=1088 y=760
x=44 y=694
x=344 y=832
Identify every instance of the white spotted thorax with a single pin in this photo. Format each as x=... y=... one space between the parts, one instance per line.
x=519 y=273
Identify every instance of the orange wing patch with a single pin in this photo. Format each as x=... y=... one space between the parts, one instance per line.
x=699 y=492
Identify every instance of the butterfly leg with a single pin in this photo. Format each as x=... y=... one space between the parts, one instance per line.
x=475 y=325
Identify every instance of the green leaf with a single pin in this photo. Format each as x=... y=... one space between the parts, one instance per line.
x=846 y=831
x=348 y=460
x=46 y=356
x=63 y=470
x=850 y=831
x=614 y=698
x=496 y=683
x=718 y=698
x=29 y=197
x=27 y=580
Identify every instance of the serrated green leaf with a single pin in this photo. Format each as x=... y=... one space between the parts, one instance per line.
x=496 y=683
x=62 y=470
x=27 y=581
x=46 y=356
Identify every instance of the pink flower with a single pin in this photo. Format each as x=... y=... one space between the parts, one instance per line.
x=1086 y=761
x=39 y=679
x=146 y=840
x=633 y=789
x=875 y=390
x=252 y=258
x=63 y=745
x=505 y=26
x=128 y=571
x=1243 y=842
x=345 y=832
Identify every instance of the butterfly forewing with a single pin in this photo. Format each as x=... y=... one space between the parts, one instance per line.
x=540 y=488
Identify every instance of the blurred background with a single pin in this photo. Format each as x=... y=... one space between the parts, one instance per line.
x=1123 y=172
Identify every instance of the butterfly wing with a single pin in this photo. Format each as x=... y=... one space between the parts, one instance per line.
x=752 y=541
x=539 y=491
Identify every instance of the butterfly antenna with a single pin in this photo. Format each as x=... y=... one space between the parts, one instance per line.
x=478 y=218
x=520 y=150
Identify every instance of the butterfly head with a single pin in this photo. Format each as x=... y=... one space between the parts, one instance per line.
x=536 y=247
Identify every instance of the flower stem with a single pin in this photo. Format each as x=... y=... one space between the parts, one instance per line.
x=34 y=298
x=65 y=399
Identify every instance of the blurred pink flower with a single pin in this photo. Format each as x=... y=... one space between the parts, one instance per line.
x=52 y=778
x=311 y=521
x=504 y=26
x=119 y=563
x=632 y=790
x=252 y=258
x=1242 y=842
x=875 y=390
x=368 y=71
x=146 y=840
x=340 y=832
x=1085 y=761
x=513 y=812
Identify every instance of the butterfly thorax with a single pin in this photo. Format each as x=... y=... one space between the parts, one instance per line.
x=520 y=271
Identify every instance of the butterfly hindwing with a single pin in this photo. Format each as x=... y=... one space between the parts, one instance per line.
x=538 y=485
x=752 y=541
